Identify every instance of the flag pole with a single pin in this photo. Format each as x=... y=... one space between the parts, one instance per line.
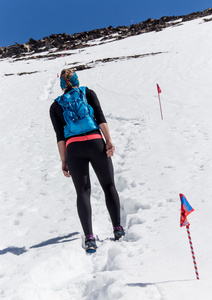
x=186 y=209
x=192 y=252
x=160 y=107
x=159 y=91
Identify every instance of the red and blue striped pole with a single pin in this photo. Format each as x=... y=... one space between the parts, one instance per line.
x=186 y=209
x=192 y=252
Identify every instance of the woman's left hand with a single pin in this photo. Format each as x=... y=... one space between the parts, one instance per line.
x=65 y=169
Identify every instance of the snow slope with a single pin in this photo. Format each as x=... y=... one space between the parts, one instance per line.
x=41 y=257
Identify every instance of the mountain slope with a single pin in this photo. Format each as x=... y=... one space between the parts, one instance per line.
x=40 y=249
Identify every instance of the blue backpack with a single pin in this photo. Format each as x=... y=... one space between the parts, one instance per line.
x=77 y=113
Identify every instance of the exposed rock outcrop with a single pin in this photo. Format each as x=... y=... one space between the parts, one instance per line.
x=64 y=41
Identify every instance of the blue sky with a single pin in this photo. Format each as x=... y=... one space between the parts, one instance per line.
x=21 y=20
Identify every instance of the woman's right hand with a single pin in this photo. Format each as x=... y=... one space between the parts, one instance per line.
x=109 y=148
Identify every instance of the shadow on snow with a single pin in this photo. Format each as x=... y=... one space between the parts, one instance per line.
x=155 y=283
x=57 y=240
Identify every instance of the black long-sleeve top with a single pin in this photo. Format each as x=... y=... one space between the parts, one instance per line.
x=56 y=115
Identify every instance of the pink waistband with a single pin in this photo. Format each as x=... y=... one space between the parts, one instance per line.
x=83 y=138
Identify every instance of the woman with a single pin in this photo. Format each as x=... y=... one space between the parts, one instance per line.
x=79 y=144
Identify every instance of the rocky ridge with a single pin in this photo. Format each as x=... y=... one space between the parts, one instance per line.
x=60 y=42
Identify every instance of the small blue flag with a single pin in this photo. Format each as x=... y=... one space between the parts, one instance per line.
x=186 y=209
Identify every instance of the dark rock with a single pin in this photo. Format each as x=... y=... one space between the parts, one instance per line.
x=80 y=40
x=32 y=41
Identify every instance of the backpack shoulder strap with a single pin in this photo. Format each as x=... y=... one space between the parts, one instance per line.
x=83 y=89
x=63 y=101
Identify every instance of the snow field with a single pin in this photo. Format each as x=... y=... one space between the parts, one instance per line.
x=40 y=247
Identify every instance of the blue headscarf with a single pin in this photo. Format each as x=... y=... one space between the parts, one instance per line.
x=74 y=81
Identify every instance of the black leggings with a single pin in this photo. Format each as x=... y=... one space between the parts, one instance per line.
x=79 y=154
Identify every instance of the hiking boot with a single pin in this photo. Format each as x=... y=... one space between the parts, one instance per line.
x=90 y=245
x=118 y=232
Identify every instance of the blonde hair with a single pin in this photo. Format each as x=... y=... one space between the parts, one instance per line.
x=66 y=74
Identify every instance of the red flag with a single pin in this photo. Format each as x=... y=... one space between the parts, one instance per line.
x=159 y=89
x=186 y=209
